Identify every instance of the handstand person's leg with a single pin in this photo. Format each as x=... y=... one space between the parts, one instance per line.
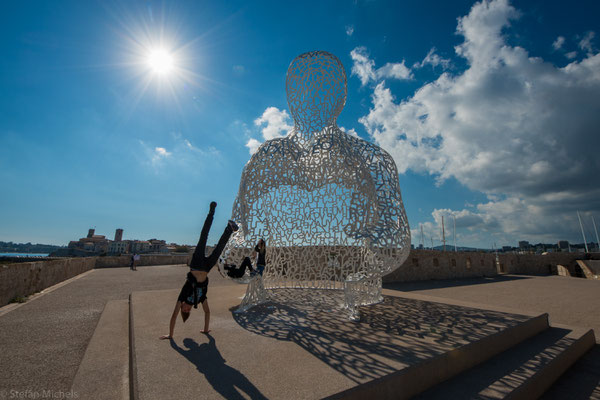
x=199 y=255
x=246 y=264
x=214 y=256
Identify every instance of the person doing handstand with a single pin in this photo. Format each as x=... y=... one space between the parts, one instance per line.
x=196 y=285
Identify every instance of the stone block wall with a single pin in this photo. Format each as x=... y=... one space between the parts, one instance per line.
x=24 y=279
x=536 y=264
x=429 y=264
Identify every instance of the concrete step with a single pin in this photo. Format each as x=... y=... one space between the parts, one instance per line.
x=525 y=371
x=104 y=370
x=581 y=381
x=411 y=381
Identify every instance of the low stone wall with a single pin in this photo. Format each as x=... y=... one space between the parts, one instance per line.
x=429 y=264
x=536 y=264
x=24 y=279
x=145 y=259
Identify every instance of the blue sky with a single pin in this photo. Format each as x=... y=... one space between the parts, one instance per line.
x=490 y=109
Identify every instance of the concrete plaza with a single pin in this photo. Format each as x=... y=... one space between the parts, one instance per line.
x=284 y=349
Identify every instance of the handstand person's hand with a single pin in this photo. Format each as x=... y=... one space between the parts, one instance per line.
x=163 y=337
x=205 y=331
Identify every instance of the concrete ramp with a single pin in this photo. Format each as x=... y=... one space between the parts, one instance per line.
x=590 y=268
x=104 y=370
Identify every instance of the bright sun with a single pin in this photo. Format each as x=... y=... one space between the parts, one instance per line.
x=160 y=61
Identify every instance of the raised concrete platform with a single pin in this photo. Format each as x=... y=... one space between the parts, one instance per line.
x=298 y=347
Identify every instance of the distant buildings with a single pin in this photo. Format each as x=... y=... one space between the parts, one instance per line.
x=99 y=244
x=524 y=245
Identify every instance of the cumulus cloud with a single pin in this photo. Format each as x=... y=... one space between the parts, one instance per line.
x=274 y=122
x=349 y=30
x=512 y=126
x=558 y=43
x=253 y=145
x=364 y=68
x=350 y=132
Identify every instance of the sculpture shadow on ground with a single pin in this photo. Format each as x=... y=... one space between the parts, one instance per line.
x=448 y=283
x=391 y=335
x=224 y=379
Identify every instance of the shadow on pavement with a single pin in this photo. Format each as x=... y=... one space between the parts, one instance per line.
x=446 y=283
x=391 y=335
x=223 y=378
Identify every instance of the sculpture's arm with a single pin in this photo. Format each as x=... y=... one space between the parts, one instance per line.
x=390 y=229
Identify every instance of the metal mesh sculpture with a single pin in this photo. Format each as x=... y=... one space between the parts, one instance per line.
x=328 y=204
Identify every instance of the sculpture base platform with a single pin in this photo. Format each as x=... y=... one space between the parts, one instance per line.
x=297 y=347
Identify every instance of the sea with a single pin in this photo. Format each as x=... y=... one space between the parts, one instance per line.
x=24 y=254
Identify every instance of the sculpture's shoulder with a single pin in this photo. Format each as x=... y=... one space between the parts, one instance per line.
x=272 y=149
x=369 y=152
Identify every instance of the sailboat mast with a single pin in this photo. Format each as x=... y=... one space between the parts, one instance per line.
x=582 y=233
x=596 y=230
x=443 y=233
x=454 y=233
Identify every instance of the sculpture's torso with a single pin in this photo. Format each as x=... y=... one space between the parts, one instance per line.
x=327 y=204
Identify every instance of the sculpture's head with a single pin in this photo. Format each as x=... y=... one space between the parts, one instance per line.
x=316 y=90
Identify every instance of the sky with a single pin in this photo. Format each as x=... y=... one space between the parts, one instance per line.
x=491 y=111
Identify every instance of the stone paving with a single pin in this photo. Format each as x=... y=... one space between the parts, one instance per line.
x=44 y=340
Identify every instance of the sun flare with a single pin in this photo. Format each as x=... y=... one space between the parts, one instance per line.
x=160 y=61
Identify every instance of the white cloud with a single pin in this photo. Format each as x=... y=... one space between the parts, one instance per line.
x=571 y=55
x=277 y=123
x=512 y=126
x=364 y=68
x=433 y=59
x=558 y=43
x=160 y=153
x=350 y=132
x=253 y=145
x=349 y=30
x=394 y=70
x=586 y=43
x=182 y=154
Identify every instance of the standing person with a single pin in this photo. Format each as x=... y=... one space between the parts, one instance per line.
x=136 y=258
x=196 y=285
x=261 y=250
x=132 y=263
